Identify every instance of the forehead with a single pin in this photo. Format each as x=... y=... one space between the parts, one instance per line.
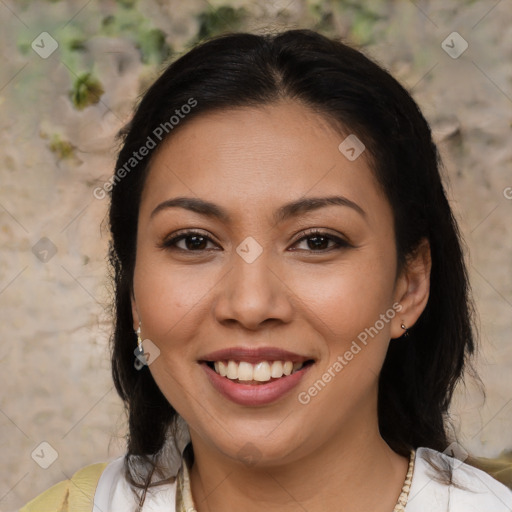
x=255 y=157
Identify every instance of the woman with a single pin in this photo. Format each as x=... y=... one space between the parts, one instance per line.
x=292 y=310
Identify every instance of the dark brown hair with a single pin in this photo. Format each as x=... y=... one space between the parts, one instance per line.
x=420 y=372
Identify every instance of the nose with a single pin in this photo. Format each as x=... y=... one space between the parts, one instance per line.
x=253 y=294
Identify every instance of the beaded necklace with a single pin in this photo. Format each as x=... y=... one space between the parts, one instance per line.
x=185 y=503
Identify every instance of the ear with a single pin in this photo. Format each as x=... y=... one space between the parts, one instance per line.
x=412 y=289
x=135 y=313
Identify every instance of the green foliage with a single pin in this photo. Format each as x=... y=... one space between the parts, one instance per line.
x=127 y=3
x=153 y=47
x=130 y=23
x=363 y=27
x=222 y=19
x=24 y=47
x=62 y=148
x=77 y=45
x=322 y=18
x=363 y=19
x=86 y=91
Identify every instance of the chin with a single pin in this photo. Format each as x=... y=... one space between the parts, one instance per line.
x=258 y=449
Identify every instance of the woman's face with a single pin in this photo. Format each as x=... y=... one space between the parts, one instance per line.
x=253 y=285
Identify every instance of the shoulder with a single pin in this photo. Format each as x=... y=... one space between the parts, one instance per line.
x=74 y=494
x=113 y=492
x=471 y=489
x=500 y=467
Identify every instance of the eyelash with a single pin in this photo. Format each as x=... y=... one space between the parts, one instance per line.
x=171 y=242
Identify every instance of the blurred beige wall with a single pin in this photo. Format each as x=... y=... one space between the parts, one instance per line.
x=54 y=364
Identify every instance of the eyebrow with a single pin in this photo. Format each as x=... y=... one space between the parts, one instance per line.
x=285 y=212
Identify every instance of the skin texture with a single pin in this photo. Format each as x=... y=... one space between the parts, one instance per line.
x=323 y=455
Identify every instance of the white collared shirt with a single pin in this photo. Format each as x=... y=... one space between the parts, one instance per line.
x=481 y=492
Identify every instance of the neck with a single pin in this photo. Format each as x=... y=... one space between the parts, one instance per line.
x=352 y=472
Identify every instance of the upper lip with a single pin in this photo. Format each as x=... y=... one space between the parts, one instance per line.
x=254 y=355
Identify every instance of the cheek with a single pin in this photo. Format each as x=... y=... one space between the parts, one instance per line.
x=346 y=307
x=348 y=298
x=169 y=299
x=169 y=302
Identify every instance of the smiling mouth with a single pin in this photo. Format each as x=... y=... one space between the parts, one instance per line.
x=243 y=372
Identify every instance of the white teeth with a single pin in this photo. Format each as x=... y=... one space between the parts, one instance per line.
x=232 y=372
x=260 y=372
x=245 y=371
x=222 y=369
x=277 y=369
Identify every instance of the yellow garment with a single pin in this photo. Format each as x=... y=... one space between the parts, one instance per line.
x=73 y=495
x=499 y=468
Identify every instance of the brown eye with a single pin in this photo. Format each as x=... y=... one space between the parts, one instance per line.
x=193 y=241
x=318 y=241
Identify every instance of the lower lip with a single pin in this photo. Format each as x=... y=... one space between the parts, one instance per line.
x=254 y=394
